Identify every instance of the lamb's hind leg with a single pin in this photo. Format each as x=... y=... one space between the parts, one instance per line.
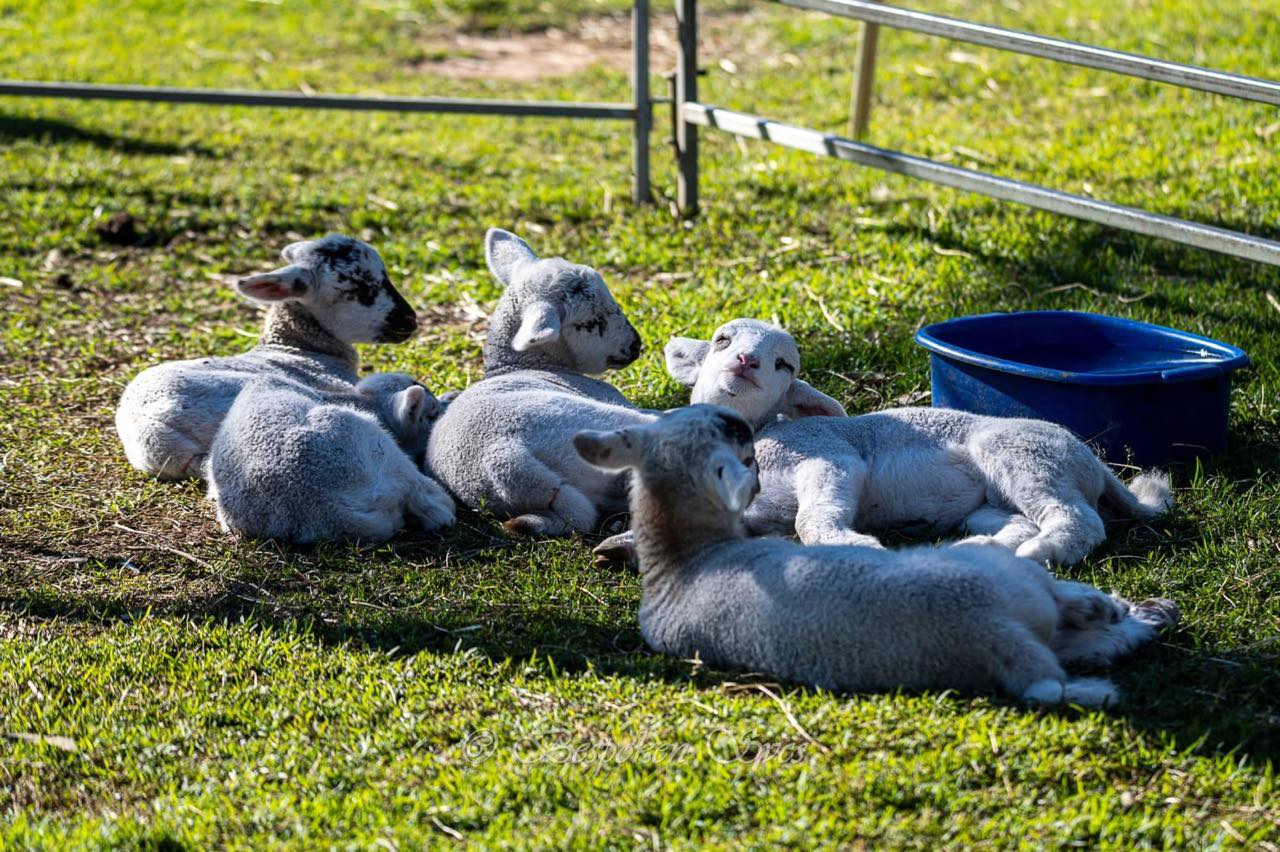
x=1029 y=669
x=1068 y=531
x=991 y=525
x=1100 y=644
x=160 y=450
x=428 y=503
x=542 y=502
x=827 y=497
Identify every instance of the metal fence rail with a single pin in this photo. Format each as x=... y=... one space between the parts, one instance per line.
x=1059 y=50
x=639 y=112
x=690 y=113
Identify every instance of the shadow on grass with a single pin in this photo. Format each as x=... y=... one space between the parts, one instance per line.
x=1211 y=703
x=14 y=128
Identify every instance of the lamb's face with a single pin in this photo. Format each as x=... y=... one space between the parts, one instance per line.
x=749 y=366
x=593 y=329
x=562 y=310
x=344 y=285
x=701 y=457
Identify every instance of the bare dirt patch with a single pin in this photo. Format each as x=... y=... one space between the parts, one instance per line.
x=597 y=41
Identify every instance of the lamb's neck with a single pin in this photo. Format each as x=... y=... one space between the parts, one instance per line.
x=500 y=357
x=669 y=537
x=291 y=326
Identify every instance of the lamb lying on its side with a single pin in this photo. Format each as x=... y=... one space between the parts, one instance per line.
x=1030 y=486
x=965 y=616
x=333 y=293
x=294 y=464
x=506 y=443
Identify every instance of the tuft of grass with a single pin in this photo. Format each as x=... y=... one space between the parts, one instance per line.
x=164 y=685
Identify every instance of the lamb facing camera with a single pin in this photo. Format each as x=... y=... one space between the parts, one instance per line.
x=505 y=444
x=332 y=293
x=966 y=616
x=1027 y=485
x=297 y=465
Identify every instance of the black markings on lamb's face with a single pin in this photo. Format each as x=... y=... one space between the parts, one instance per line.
x=363 y=304
x=598 y=324
x=735 y=430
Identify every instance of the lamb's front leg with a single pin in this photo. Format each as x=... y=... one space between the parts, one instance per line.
x=827 y=492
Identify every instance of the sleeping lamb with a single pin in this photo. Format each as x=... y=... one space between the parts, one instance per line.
x=966 y=616
x=299 y=465
x=333 y=292
x=506 y=443
x=1028 y=485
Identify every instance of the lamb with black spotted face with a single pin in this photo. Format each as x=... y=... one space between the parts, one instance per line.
x=331 y=293
x=554 y=315
x=966 y=616
x=505 y=443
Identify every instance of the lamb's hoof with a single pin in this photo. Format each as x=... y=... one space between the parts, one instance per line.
x=1160 y=613
x=1085 y=607
x=617 y=551
x=532 y=525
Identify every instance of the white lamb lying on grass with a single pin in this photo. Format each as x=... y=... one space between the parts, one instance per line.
x=299 y=465
x=1028 y=485
x=966 y=616
x=506 y=443
x=334 y=292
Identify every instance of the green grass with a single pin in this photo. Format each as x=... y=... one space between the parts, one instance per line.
x=218 y=692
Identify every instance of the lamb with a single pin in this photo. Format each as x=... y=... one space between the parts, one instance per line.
x=333 y=292
x=505 y=443
x=300 y=465
x=965 y=616
x=1028 y=485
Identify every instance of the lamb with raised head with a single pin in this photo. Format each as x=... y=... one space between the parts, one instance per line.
x=301 y=465
x=333 y=292
x=964 y=616
x=1028 y=485
x=506 y=442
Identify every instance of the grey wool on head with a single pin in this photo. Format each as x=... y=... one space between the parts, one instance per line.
x=505 y=443
x=966 y=616
x=301 y=465
x=1028 y=485
x=333 y=292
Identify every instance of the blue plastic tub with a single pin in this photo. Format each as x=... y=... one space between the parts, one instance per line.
x=1136 y=391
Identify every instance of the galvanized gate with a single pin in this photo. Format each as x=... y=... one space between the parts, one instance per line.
x=639 y=112
x=690 y=114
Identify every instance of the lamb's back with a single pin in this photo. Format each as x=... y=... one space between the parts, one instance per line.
x=834 y=616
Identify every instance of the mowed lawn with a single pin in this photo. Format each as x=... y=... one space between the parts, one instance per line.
x=164 y=685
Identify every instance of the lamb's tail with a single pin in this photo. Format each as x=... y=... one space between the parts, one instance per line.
x=1148 y=495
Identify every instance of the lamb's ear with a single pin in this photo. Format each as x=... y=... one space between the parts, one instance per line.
x=684 y=359
x=291 y=251
x=504 y=251
x=609 y=450
x=539 y=325
x=804 y=400
x=413 y=404
x=733 y=482
x=278 y=285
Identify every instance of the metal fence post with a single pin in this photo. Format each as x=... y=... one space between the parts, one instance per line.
x=686 y=134
x=640 y=192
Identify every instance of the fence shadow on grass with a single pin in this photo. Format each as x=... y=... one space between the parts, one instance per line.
x=14 y=128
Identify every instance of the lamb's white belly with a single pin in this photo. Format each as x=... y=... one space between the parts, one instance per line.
x=921 y=490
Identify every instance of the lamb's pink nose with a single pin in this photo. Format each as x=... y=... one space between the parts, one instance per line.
x=748 y=360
